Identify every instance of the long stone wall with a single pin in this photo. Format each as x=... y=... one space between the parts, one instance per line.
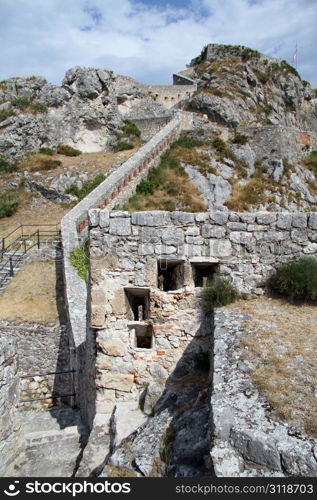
x=115 y=190
x=11 y=434
x=170 y=95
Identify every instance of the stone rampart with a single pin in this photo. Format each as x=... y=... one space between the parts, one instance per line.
x=116 y=189
x=170 y=95
x=11 y=435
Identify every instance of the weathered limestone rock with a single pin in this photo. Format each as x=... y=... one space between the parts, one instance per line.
x=112 y=347
x=116 y=381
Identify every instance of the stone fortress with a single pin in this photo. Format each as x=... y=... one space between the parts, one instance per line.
x=136 y=327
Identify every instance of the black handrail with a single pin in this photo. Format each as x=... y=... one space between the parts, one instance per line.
x=46 y=373
x=47 y=397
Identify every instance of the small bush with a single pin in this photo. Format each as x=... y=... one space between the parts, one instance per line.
x=268 y=109
x=263 y=77
x=37 y=107
x=80 y=261
x=218 y=144
x=46 y=151
x=130 y=128
x=145 y=187
x=187 y=142
x=67 y=150
x=240 y=139
x=86 y=188
x=7 y=165
x=122 y=146
x=218 y=293
x=311 y=161
x=296 y=279
x=20 y=102
x=8 y=204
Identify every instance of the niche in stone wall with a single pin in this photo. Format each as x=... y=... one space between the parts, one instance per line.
x=138 y=303
x=143 y=336
x=170 y=274
x=203 y=272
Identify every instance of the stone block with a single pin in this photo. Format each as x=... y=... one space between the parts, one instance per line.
x=201 y=217
x=312 y=222
x=266 y=218
x=284 y=221
x=105 y=401
x=104 y=218
x=311 y=249
x=256 y=446
x=117 y=381
x=236 y=226
x=112 y=347
x=246 y=217
x=154 y=218
x=93 y=216
x=241 y=237
x=183 y=218
x=299 y=235
x=103 y=362
x=120 y=226
x=219 y=218
x=119 y=213
x=209 y=231
x=150 y=235
x=146 y=249
x=299 y=220
x=173 y=236
x=153 y=393
x=220 y=248
x=157 y=371
x=226 y=461
x=234 y=217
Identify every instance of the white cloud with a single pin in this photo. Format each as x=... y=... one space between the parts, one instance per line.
x=147 y=40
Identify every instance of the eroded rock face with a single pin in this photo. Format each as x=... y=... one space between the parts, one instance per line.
x=85 y=112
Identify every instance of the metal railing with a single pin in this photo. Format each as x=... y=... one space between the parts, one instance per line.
x=19 y=242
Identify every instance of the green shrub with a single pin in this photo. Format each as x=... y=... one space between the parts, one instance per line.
x=7 y=165
x=218 y=144
x=122 y=146
x=80 y=261
x=219 y=292
x=8 y=204
x=145 y=187
x=288 y=68
x=67 y=150
x=296 y=279
x=263 y=77
x=311 y=161
x=86 y=188
x=37 y=107
x=21 y=102
x=186 y=141
x=268 y=109
x=130 y=128
x=240 y=139
x=46 y=151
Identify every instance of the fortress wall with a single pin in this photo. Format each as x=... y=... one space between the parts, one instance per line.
x=11 y=435
x=125 y=250
x=116 y=189
x=150 y=126
x=285 y=142
x=170 y=95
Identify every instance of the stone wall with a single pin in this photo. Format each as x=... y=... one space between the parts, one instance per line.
x=280 y=142
x=131 y=304
x=11 y=434
x=116 y=189
x=150 y=126
x=170 y=95
x=246 y=441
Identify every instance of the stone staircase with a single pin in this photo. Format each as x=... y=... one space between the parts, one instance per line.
x=54 y=441
x=17 y=259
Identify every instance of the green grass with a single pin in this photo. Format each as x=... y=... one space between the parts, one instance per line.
x=80 y=261
x=6 y=113
x=46 y=151
x=21 y=102
x=240 y=139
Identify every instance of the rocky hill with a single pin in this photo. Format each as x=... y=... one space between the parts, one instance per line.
x=85 y=112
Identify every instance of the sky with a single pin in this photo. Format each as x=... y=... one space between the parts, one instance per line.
x=148 y=40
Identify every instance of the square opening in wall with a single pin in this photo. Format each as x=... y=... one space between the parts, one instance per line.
x=138 y=303
x=142 y=335
x=170 y=275
x=203 y=272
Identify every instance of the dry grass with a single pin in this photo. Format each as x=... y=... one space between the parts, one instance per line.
x=34 y=208
x=31 y=295
x=195 y=158
x=252 y=193
x=282 y=344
